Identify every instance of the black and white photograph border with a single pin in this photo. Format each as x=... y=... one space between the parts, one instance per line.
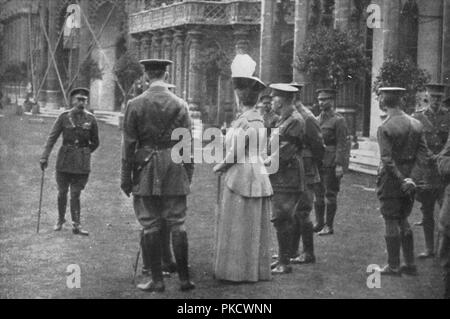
x=351 y=97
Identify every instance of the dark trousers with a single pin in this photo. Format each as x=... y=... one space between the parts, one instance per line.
x=302 y=224
x=162 y=216
x=326 y=196
x=75 y=183
x=428 y=199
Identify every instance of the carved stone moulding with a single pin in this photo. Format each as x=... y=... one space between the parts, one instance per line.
x=196 y=13
x=12 y=8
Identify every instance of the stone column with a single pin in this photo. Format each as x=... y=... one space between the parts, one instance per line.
x=343 y=9
x=85 y=40
x=446 y=44
x=156 y=46
x=167 y=51
x=136 y=45
x=429 y=45
x=241 y=37
x=302 y=8
x=267 y=63
x=194 y=89
x=385 y=42
x=146 y=45
x=179 y=62
x=52 y=87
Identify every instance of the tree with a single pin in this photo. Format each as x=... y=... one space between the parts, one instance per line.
x=402 y=72
x=330 y=57
x=91 y=70
x=128 y=70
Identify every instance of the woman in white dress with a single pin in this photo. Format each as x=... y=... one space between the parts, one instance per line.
x=243 y=232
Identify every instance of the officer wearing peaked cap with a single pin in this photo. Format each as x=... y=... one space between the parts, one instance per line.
x=289 y=181
x=334 y=132
x=436 y=122
x=312 y=157
x=80 y=139
x=158 y=184
x=402 y=149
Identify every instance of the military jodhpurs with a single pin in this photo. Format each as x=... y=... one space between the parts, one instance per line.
x=428 y=199
x=444 y=253
x=328 y=189
x=153 y=211
x=76 y=183
x=326 y=194
x=302 y=217
x=283 y=209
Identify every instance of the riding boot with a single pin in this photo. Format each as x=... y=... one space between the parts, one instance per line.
x=428 y=231
x=295 y=240
x=331 y=214
x=409 y=267
x=145 y=257
x=168 y=264
x=152 y=243
x=447 y=285
x=308 y=244
x=284 y=244
x=319 y=210
x=62 y=205
x=180 y=249
x=393 y=249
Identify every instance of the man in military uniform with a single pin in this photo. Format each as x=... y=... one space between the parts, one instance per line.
x=444 y=228
x=313 y=153
x=269 y=116
x=334 y=132
x=402 y=149
x=289 y=181
x=158 y=184
x=446 y=103
x=80 y=139
x=436 y=122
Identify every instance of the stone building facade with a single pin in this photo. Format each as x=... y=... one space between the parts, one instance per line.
x=49 y=33
x=202 y=38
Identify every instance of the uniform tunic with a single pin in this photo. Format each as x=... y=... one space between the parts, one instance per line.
x=80 y=139
x=289 y=182
x=160 y=185
x=243 y=237
x=334 y=131
x=436 y=127
x=402 y=149
x=314 y=149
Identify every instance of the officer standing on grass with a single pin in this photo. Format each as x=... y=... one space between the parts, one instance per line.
x=436 y=122
x=313 y=153
x=444 y=228
x=158 y=184
x=402 y=149
x=334 y=132
x=80 y=139
x=289 y=181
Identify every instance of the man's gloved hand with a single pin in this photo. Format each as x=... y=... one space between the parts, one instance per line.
x=339 y=171
x=126 y=183
x=44 y=164
x=408 y=186
x=126 y=188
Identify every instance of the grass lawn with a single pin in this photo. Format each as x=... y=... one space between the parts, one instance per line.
x=34 y=265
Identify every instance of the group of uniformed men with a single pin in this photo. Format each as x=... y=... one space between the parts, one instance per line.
x=408 y=148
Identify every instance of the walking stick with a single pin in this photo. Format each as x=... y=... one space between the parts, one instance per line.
x=217 y=217
x=136 y=263
x=40 y=200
